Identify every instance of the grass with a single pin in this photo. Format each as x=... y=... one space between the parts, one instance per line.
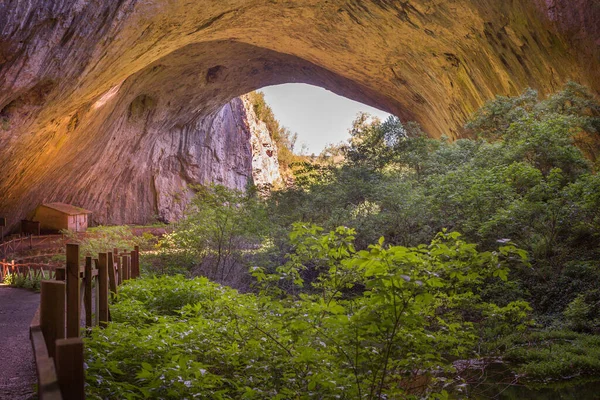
x=554 y=355
x=26 y=281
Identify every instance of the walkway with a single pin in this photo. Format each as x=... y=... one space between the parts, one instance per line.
x=17 y=368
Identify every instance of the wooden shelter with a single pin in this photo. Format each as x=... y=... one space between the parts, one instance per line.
x=58 y=216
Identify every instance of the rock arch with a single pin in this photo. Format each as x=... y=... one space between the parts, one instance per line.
x=103 y=103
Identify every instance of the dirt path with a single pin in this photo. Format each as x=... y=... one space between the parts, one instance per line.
x=17 y=368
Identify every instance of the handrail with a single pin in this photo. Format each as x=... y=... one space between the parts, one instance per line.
x=12 y=267
x=48 y=387
x=55 y=329
x=4 y=245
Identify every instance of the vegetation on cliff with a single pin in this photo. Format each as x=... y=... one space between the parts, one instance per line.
x=283 y=138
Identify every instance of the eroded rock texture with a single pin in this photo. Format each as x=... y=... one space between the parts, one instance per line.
x=112 y=105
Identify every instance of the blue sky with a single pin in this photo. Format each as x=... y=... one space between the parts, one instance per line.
x=319 y=116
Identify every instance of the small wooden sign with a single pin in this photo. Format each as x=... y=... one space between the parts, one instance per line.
x=2 y=221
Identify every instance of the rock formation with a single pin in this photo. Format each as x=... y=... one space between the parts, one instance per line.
x=265 y=162
x=113 y=104
x=232 y=148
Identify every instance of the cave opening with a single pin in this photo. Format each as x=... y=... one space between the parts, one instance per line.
x=317 y=116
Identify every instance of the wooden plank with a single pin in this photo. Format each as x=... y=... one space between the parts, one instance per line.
x=126 y=268
x=69 y=368
x=73 y=304
x=88 y=292
x=60 y=273
x=103 y=288
x=52 y=312
x=48 y=388
x=97 y=288
x=135 y=257
x=119 y=271
x=112 y=279
x=81 y=298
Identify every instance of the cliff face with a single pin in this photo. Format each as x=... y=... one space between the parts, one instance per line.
x=129 y=185
x=115 y=105
x=231 y=147
x=265 y=163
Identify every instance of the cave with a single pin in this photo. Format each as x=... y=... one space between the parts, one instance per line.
x=118 y=106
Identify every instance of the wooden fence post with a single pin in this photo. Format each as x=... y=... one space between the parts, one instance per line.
x=135 y=257
x=88 y=292
x=52 y=312
x=73 y=299
x=126 y=268
x=131 y=255
x=103 y=288
x=69 y=368
x=97 y=286
x=60 y=274
x=119 y=271
x=112 y=279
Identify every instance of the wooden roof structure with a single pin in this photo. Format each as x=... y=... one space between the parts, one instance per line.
x=67 y=208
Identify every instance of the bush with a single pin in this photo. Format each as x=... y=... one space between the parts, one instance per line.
x=220 y=227
x=367 y=323
x=25 y=280
x=579 y=316
x=524 y=178
x=105 y=238
x=554 y=355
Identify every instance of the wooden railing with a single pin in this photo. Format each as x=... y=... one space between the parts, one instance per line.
x=55 y=331
x=28 y=270
x=22 y=242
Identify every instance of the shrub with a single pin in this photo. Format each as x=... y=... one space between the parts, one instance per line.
x=366 y=324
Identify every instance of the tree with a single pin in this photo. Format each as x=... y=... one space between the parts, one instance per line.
x=220 y=224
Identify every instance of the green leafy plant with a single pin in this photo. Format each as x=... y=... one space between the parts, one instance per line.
x=553 y=355
x=371 y=323
x=220 y=226
x=27 y=281
x=105 y=238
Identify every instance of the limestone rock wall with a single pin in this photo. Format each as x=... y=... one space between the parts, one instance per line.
x=265 y=163
x=111 y=105
x=231 y=148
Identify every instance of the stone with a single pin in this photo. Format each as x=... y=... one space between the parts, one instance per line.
x=115 y=106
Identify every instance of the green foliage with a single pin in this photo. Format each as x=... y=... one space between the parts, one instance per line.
x=105 y=238
x=554 y=355
x=283 y=138
x=579 y=315
x=524 y=179
x=26 y=281
x=378 y=145
x=496 y=117
x=341 y=317
x=373 y=321
x=219 y=227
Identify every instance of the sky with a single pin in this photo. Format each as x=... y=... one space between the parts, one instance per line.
x=319 y=116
